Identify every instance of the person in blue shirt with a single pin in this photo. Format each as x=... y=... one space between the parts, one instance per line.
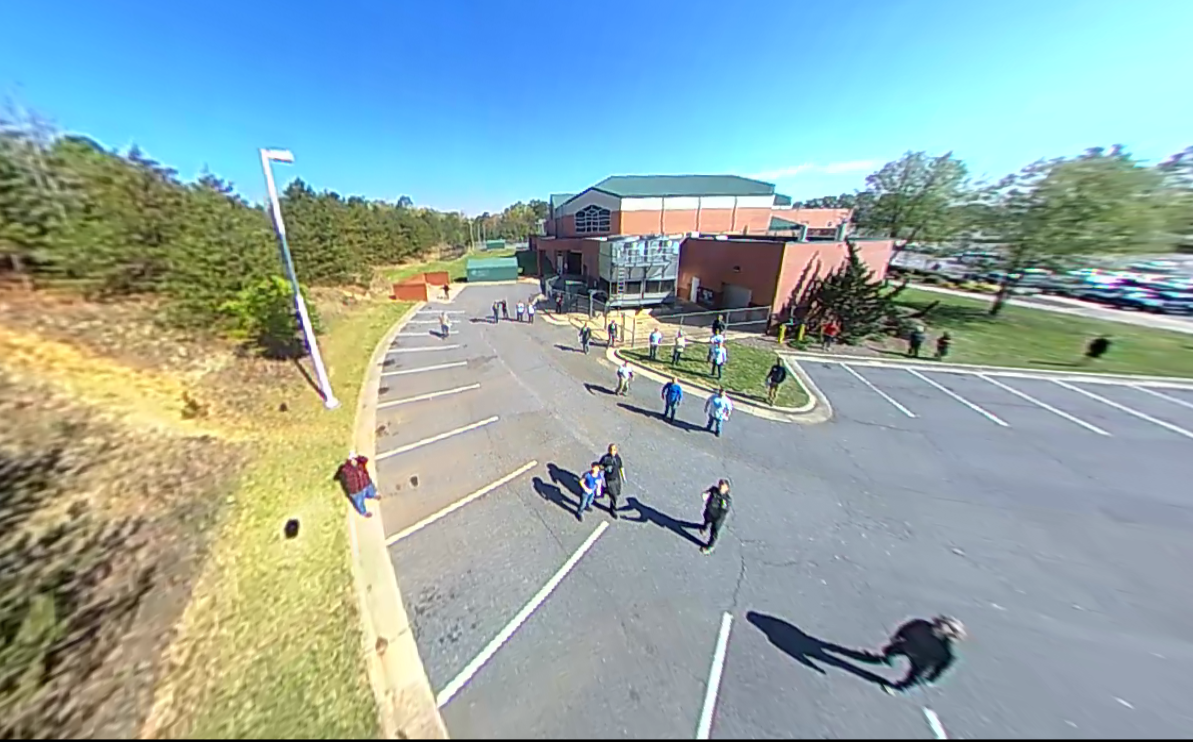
x=591 y=483
x=672 y=396
x=718 y=408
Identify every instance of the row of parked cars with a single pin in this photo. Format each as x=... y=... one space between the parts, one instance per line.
x=1143 y=287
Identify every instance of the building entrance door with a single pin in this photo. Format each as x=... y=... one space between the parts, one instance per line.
x=694 y=292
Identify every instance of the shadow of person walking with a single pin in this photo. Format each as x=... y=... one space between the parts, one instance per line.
x=568 y=480
x=808 y=650
x=647 y=514
x=551 y=493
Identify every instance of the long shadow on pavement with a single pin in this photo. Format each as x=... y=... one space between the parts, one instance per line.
x=804 y=648
x=681 y=424
x=594 y=388
x=647 y=514
x=554 y=494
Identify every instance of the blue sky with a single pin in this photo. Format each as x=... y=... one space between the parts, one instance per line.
x=473 y=105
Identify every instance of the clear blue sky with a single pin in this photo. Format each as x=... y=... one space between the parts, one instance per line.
x=473 y=105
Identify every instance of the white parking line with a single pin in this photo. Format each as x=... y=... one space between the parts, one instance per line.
x=435 y=439
x=440 y=367
x=457 y=683
x=988 y=415
x=1163 y=396
x=432 y=310
x=704 y=728
x=429 y=395
x=1141 y=415
x=934 y=722
x=421 y=350
x=460 y=503
x=878 y=391
x=1045 y=405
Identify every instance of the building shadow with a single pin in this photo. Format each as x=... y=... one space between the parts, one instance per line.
x=552 y=493
x=677 y=423
x=597 y=388
x=647 y=514
x=808 y=650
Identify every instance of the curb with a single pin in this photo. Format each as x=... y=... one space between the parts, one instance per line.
x=1177 y=382
x=805 y=413
x=406 y=705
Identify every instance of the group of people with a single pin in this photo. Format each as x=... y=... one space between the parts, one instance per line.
x=916 y=338
x=523 y=311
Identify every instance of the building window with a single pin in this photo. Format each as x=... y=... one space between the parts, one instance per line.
x=820 y=234
x=592 y=220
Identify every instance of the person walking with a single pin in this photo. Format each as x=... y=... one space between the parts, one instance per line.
x=828 y=335
x=1096 y=349
x=612 y=330
x=719 y=357
x=613 y=471
x=681 y=342
x=559 y=302
x=585 y=338
x=717 y=502
x=716 y=341
x=496 y=310
x=656 y=339
x=447 y=292
x=672 y=395
x=915 y=341
x=928 y=647
x=625 y=375
x=530 y=312
x=774 y=379
x=591 y=485
x=943 y=344
x=505 y=310
x=353 y=476
x=445 y=325
x=520 y=310
x=718 y=325
x=718 y=408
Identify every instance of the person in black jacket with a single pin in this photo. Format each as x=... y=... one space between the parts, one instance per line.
x=774 y=379
x=614 y=475
x=717 y=503
x=1096 y=349
x=928 y=646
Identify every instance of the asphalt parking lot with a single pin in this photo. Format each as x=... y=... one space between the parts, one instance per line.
x=1062 y=548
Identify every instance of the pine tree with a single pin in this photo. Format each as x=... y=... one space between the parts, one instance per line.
x=861 y=304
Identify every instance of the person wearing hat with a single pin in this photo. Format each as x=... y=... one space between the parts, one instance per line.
x=353 y=476
x=928 y=646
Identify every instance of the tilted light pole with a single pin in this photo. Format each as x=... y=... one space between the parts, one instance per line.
x=281 y=155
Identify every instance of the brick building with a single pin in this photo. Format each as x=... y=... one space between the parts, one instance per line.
x=737 y=241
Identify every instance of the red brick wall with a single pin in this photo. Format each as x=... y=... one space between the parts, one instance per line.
x=588 y=248
x=751 y=264
x=804 y=261
x=565 y=226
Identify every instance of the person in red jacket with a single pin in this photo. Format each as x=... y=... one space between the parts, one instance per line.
x=828 y=335
x=353 y=476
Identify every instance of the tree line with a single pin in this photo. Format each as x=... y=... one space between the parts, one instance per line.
x=115 y=225
x=1099 y=202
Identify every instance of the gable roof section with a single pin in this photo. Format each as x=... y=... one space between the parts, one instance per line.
x=661 y=186
x=559 y=199
x=781 y=200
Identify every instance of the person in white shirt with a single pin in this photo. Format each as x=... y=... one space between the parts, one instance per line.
x=530 y=312
x=625 y=375
x=520 y=311
x=681 y=342
x=656 y=339
x=714 y=342
x=445 y=325
x=718 y=408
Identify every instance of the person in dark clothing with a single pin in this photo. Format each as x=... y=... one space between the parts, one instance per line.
x=353 y=476
x=1096 y=349
x=943 y=343
x=718 y=325
x=496 y=311
x=612 y=333
x=928 y=646
x=915 y=341
x=505 y=310
x=672 y=396
x=716 y=509
x=774 y=379
x=447 y=292
x=559 y=303
x=614 y=475
x=585 y=338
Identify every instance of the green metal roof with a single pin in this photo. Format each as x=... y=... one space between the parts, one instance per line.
x=482 y=263
x=777 y=223
x=559 y=199
x=655 y=186
x=781 y=200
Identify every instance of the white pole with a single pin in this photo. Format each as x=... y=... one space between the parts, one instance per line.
x=329 y=398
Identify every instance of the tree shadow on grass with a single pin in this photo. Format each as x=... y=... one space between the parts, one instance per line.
x=808 y=650
x=647 y=514
x=952 y=315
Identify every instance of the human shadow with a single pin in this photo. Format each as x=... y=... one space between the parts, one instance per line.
x=595 y=388
x=552 y=493
x=1062 y=364
x=681 y=424
x=570 y=481
x=568 y=348
x=807 y=650
x=647 y=514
